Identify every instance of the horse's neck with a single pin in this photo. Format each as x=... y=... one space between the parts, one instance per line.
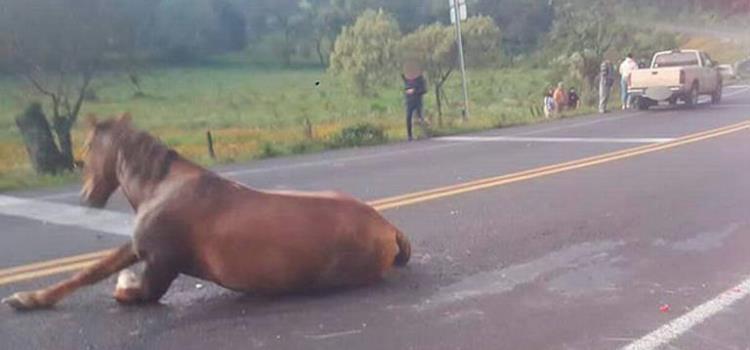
x=139 y=190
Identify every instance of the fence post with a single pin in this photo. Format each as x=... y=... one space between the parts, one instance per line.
x=308 y=129
x=210 y=145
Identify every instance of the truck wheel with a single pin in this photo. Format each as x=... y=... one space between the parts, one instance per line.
x=692 y=96
x=643 y=103
x=716 y=95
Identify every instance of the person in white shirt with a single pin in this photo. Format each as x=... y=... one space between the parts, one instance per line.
x=626 y=68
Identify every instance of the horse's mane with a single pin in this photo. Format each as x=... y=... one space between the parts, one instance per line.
x=143 y=156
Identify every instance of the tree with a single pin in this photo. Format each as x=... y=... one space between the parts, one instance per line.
x=733 y=7
x=284 y=24
x=184 y=29
x=58 y=46
x=322 y=23
x=643 y=44
x=582 y=34
x=285 y=16
x=43 y=153
x=232 y=26
x=365 y=51
x=524 y=22
x=5 y=50
x=433 y=47
x=410 y=14
x=481 y=39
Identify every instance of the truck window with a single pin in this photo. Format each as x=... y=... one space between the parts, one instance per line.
x=676 y=59
x=707 y=61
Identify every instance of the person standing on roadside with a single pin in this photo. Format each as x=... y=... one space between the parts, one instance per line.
x=414 y=87
x=606 y=80
x=626 y=68
x=549 y=104
x=561 y=99
x=573 y=99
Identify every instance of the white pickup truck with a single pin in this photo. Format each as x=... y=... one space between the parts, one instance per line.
x=676 y=75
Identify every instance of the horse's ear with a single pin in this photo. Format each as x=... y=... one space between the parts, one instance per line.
x=125 y=118
x=91 y=120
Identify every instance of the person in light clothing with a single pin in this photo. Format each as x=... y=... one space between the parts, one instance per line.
x=626 y=68
x=549 y=104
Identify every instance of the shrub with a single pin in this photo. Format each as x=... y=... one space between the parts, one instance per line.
x=363 y=134
x=269 y=150
x=306 y=146
x=364 y=53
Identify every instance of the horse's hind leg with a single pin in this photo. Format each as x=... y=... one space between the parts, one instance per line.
x=154 y=282
x=109 y=265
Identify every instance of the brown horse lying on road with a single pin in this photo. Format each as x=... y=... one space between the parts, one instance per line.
x=191 y=221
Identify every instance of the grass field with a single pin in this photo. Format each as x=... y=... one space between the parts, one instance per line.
x=255 y=112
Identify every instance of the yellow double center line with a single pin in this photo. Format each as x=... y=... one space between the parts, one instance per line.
x=53 y=267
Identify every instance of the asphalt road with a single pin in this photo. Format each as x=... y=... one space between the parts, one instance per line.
x=639 y=248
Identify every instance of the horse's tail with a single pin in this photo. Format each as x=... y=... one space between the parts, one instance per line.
x=404 y=249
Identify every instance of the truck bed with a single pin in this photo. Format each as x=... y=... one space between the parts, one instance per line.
x=666 y=77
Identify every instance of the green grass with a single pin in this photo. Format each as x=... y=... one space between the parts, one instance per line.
x=260 y=112
x=24 y=179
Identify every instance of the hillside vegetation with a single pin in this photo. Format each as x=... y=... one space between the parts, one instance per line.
x=271 y=77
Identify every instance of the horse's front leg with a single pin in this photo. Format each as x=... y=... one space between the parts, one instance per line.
x=47 y=297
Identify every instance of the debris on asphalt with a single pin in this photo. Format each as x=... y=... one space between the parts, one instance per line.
x=664 y=308
x=332 y=335
x=425 y=258
x=198 y=286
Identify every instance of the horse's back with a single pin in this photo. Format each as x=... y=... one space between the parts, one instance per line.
x=284 y=241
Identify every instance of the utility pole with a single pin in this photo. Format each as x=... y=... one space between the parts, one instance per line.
x=458 y=13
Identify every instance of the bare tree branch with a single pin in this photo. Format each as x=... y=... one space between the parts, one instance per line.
x=37 y=85
x=88 y=75
x=446 y=75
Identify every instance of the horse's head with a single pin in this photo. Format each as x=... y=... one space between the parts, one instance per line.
x=100 y=159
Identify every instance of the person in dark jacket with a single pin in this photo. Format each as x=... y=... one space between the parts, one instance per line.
x=606 y=80
x=573 y=99
x=414 y=87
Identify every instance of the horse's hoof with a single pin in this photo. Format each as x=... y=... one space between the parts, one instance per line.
x=127 y=280
x=21 y=301
x=127 y=290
